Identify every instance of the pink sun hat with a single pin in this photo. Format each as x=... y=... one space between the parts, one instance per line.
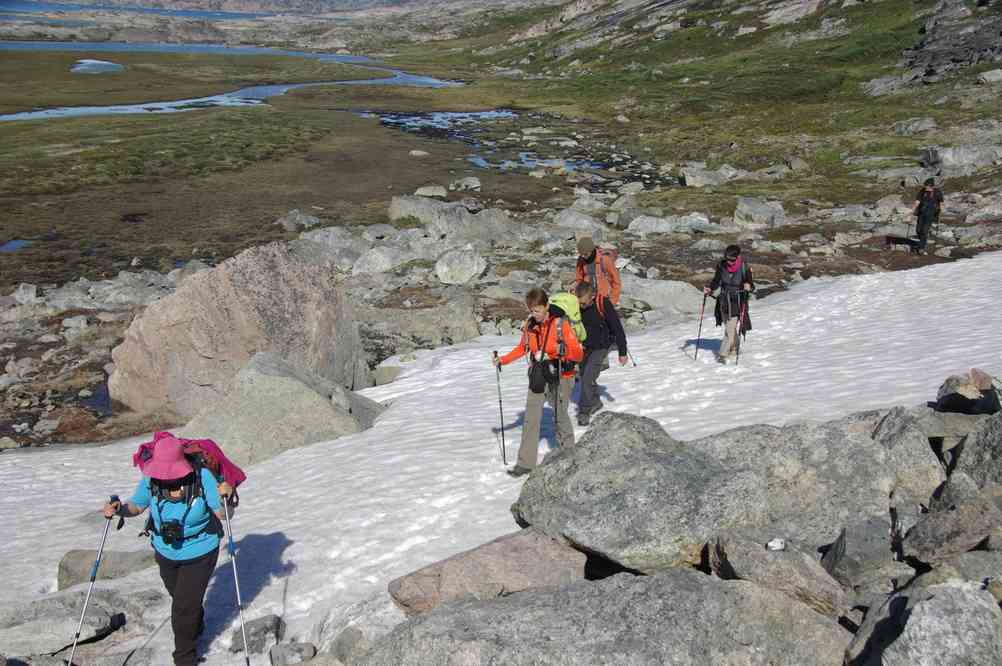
x=168 y=461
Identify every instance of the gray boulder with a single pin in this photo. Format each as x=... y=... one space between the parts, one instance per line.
x=823 y=476
x=678 y=617
x=469 y=183
x=386 y=331
x=573 y=219
x=754 y=213
x=973 y=523
x=979 y=455
x=343 y=246
x=630 y=493
x=863 y=560
x=26 y=294
x=991 y=77
x=671 y=295
x=976 y=392
x=742 y=555
x=262 y=634
x=270 y=407
x=382 y=259
x=459 y=265
x=296 y=220
x=953 y=623
x=452 y=220
x=917 y=470
x=977 y=566
x=698 y=177
x=283 y=298
x=48 y=624
x=436 y=191
x=961 y=160
x=506 y=565
x=914 y=126
x=286 y=654
x=957 y=490
x=76 y=565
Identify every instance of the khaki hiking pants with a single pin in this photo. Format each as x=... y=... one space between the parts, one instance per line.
x=528 y=451
x=732 y=340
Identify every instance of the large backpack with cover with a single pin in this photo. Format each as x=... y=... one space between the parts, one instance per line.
x=571 y=309
x=200 y=454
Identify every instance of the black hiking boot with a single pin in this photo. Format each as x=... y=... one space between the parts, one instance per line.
x=584 y=418
x=518 y=471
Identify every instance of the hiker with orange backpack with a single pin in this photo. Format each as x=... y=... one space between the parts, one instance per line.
x=553 y=349
x=186 y=507
x=597 y=266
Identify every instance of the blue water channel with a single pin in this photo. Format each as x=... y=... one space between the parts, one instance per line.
x=250 y=96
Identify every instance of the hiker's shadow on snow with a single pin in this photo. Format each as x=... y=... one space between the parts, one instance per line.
x=259 y=561
x=712 y=345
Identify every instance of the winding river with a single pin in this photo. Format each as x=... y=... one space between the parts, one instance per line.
x=244 y=97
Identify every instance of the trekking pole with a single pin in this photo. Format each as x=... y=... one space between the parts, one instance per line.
x=737 y=335
x=632 y=360
x=236 y=580
x=93 y=577
x=504 y=453
x=699 y=331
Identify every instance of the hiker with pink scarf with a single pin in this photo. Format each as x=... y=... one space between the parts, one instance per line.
x=734 y=279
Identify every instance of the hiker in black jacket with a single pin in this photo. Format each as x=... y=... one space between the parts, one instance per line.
x=734 y=279
x=604 y=328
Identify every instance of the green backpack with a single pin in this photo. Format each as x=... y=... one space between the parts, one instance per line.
x=568 y=303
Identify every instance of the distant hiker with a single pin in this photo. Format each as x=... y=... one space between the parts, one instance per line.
x=926 y=208
x=553 y=349
x=185 y=512
x=734 y=279
x=597 y=267
x=603 y=327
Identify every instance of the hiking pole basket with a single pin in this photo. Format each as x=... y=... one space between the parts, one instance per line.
x=93 y=577
x=232 y=548
x=699 y=331
x=504 y=453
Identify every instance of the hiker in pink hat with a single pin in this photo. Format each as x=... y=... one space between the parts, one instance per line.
x=184 y=527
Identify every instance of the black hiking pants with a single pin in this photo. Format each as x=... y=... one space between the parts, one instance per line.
x=186 y=582
x=922 y=228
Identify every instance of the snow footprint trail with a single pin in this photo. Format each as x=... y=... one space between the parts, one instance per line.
x=327 y=526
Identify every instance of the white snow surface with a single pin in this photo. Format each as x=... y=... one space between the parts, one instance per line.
x=325 y=527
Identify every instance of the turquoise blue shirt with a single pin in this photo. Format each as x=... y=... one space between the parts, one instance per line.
x=199 y=525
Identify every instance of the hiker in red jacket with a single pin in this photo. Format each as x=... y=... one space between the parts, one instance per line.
x=553 y=349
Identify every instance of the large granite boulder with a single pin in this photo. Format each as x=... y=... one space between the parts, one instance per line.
x=942 y=535
x=976 y=392
x=744 y=555
x=677 y=617
x=270 y=407
x=182 y=350
x=754 y=213
x=822 y=477
x=951 y=623
x=979 y=454
x=453 y=221
x=630 y=493
x=46 y=625
x=459 y=265
x=386 y=331
x=671 y=295
x=76 y=565
x=863 y=560
x=509 y=564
